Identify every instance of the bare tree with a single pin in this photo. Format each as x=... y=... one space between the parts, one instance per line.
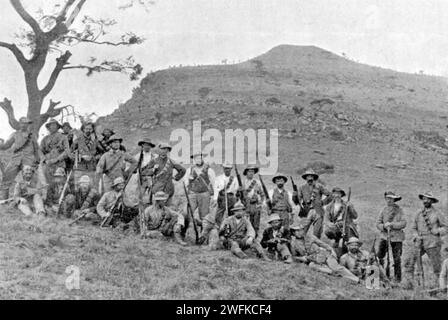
x=53 y=34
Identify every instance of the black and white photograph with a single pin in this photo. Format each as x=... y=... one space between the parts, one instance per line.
x=234 y=152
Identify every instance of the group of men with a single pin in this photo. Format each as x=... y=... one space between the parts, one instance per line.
x=85 y=177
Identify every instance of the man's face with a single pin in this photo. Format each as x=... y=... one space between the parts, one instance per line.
x=198 y=161
x=53 y=128
x=239 y=214
x=88 y=130
x=299 y=233
x=107 y=133
x=119 y=187
x=227 y=171
x=164 y=152
x=353 y=248
x=337 y=195
x=250 y=174
x=66 y=129
x=146 y=147
x=160 y=203
x=389 y=201
x=280 y=182
x=427 y=203
x=28 y=173
x=276 y=224
x=115 y=145
x=59 y=179
x=310 y=180
x=24 y=126
x=84 y=187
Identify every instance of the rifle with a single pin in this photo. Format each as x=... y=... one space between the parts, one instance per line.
x=388 y=254
x=6 y=201
x=240 y=183
x=64 y=189
x=344 y=226
x=295 y=189
x=420 y=271
x=266 y=193
x=140 y=194
x=78 y=219
x=190 y=212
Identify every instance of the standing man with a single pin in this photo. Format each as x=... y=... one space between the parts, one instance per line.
x=225 y=189
x=55 y=149
x=238 y=234
x=253 y=193
x=310 y=196
x=87 y=152
x=25 y=152
x=200 y=180
x=146 y=147
x=112 y=164
x=335 y=219
x=28 y=192
x=427 y=228
x=391 y=223
x=160 y=169
x=281 y=200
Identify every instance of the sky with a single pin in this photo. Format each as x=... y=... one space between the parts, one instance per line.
x=404 y=35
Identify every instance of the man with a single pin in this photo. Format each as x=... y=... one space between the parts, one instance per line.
x=199 y=180
x=238 y=234
x=160 y=219
x=355 y=260
x=276 y=239
x=67 y=131
x=391 y=223
x=443 y=279
x=105 y=141
x=281 y=200
x=336 y=213
x=225 y=191
x=55 y=190
x=310 y=196
x=82 y=201
x=111 y=203
x=87 y=152
x=254 y=196
x=28 y=193
x=427 y=229
x=320 y=256
x=112 y=164
x=160 y=170
x=55 y=149
x=25 y=152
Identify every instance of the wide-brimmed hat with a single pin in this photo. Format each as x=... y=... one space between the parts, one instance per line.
x=160 y=195
x=113 y=138
x=117 y=181
x=254 y=168
x=279 y=175
x=353 y=240
x=310 y=172
x=392 y=195
x=84 y=179
x=59 y=172
x=67 y=124
x=238 y=207
x=53 y=121
x=337 y=189
x=25 y=120
x=146 y=141
x=429 y=196
x=274 y=217
x=108 y=129
x=227 y=165
x=165 y=145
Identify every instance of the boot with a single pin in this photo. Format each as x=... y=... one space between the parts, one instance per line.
x=287 y=259
x=178 y=239
x=240 y=254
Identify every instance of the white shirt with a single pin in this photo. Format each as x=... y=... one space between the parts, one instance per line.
x=221 y=182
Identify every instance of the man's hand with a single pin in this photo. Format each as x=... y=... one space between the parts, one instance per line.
x=435 y=231
x=388 y=225
x=31 y=191
x=250 y=241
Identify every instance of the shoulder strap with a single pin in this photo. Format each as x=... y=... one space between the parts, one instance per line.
x=114 y=164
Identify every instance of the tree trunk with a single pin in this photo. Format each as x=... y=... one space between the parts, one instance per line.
x=35 y=100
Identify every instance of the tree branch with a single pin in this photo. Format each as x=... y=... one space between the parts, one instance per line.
x=16 y=51
x=7 y=107
x=62 y=16
x=51 y=112
x=75 y=13
x=17 y=5
x=109 y=43
x=60 y=63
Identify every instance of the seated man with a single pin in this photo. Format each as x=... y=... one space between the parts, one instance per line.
x=112 y=209
x=82 y=202
x=55 y=190
x=276 y=239
x=319 y=255
x=238 y=234
x=160 y=219
x=355 y=260
x=28 y=192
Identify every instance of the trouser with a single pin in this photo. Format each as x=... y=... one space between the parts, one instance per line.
x=339 y=270
x=280 y=249
x=221 y=210
x=318 y=224
x=36 y=202
x=200 y=201
x=237 y=246
x=397 y=250
x=285 y=216
x=434 y=255
x=253 y=210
